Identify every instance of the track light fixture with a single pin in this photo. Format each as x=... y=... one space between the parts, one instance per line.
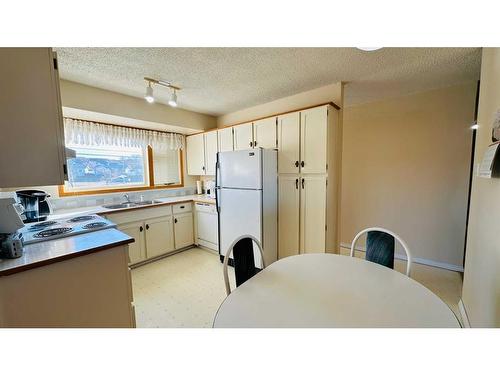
x=173 y=99
x=149 y=90
x=149 y=94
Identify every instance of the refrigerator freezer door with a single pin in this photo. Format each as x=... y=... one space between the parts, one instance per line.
x=240 y=214
x=240 y=169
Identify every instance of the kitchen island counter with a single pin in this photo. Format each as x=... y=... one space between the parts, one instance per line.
x=57 y=250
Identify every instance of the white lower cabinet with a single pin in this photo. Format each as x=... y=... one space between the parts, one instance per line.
x=183 y=230
x=157 y=230
x=302 y=214
x=313 y=214
x=136 y=250
x=159 y=236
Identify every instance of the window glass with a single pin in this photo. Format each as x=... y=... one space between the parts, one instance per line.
x=167 y=167
x=106 y=168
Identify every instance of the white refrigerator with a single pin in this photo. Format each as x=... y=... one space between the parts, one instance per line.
x=247 y=200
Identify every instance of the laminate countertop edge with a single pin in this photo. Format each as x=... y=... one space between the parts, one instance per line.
x=63 y=246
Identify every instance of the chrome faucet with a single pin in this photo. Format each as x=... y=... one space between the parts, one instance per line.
x=127 y=198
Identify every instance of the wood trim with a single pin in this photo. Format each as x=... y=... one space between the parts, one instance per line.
x=151 y=166
x=151 y=186
x=265 y=117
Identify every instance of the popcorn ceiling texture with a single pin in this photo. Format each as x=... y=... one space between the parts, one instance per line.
x=218 y=81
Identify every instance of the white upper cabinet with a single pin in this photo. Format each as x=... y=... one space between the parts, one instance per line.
x=289 y=143
x=313 y=140
x=265 y=133
x=312 y=214
x=210 y=152
x=32 y=139
x=195 y=155
x=243 y=136
x=225 y=137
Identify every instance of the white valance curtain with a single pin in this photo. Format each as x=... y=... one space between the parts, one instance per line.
x=88 y=133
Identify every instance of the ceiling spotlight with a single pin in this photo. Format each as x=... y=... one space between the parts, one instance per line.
x=173 y=99
x=149 y=94
x=369 y=49
x=149 y=90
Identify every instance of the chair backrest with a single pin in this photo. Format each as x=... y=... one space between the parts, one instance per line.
x=243 y=258
x=380 y=247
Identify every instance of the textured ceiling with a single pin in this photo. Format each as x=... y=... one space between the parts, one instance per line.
x=217 y=81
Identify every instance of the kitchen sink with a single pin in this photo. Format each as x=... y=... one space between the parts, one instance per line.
x=128 y=205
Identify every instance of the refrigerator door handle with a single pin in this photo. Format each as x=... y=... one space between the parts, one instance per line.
x=217 y=183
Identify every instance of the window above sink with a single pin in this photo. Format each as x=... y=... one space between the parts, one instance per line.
x=110 y=158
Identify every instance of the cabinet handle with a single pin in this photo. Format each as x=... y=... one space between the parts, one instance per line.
x=302 y=183
x=302 y=163
x=203 y=168
x=147 y=226
x=255 y=144
x=141 y=228
x=181 y=207
x=251 y=143
x=297 y=163
x=297 y=183
x=175 y=221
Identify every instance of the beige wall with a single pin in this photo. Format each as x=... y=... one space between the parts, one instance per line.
x=481 y=288
x=405 y=167
x=76 y=95
x=329 y=93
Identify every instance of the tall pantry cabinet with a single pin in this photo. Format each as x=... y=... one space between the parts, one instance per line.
x=309 y=150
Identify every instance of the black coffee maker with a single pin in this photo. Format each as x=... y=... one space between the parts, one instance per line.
x=36 y=207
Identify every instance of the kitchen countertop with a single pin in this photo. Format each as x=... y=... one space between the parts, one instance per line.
x=47 y=252
x=100 y=210
x=43 y=253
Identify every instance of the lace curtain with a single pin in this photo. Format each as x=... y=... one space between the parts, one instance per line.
x=87 y=133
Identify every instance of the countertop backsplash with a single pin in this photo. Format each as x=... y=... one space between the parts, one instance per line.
x=64 y=203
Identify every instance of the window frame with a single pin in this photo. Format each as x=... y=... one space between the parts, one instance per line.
x=150 y=173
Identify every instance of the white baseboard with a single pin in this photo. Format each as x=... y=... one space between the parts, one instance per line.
x=427 y=262
x=463 y=314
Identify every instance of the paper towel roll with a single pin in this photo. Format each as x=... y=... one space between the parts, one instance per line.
x=198 y=187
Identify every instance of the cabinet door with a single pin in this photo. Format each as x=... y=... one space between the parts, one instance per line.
x=136 y=250
x=183 y=228
x=288 y=143
x=288 y=211
x=225 y=139
x=159 y=236
x=32 y=139
x=210 y=152
x=265 y=133
x=195 y=152
x=313 y=140
x=312 y=214
x=243 y=136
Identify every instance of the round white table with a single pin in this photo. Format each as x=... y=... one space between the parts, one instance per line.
x=328 y=290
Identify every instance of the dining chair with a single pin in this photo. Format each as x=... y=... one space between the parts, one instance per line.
x=243 y=260
x=380 y=243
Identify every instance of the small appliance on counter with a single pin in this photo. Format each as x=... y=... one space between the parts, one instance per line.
x=210 y=188
x=11 y=240
x=36 y=206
